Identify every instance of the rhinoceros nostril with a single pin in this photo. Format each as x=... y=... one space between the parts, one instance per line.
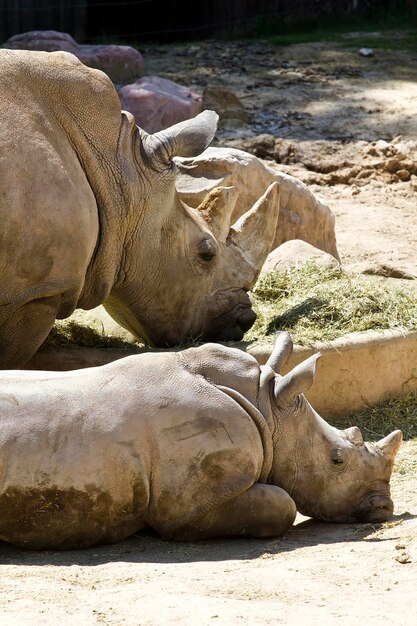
x=381 y=502
x=246 y=319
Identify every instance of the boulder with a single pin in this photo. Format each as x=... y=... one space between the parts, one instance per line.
x=296 y=252
x=157 y=103
x=120 y=63
x=302 y=215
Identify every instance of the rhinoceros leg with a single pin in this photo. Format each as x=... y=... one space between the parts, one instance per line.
x=261 y=511
x=26 y=329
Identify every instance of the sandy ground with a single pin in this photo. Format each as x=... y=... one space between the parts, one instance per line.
x=317 y=574
x=338 y=121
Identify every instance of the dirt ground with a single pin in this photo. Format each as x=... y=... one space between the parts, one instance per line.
x=346 y=125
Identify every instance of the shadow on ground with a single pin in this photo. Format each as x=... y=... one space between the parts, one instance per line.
x=145 y=548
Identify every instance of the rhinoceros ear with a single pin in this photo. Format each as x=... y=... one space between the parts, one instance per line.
x=217 y=208
x=187 y=139
x=254 y=232
x=281 y=352
x=298 y=380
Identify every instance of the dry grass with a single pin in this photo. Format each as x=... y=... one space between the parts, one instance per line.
x=70 y=332
x=313 y=304
x=376 y=422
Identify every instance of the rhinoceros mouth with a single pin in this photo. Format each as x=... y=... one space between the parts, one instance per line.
x=374 y=509
x=231 y=326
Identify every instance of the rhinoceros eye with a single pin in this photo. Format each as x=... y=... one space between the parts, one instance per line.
x=206 y=250
x=336 y=456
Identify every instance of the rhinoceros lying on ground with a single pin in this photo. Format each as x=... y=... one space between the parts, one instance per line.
x=89 y=214
x=195 y=444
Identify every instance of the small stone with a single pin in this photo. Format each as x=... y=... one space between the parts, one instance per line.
x=365 y=173
x=403 y=175
x=403 y=558
x=366 y=52
x=262 y=146
x=225 y=102
x=392 y=165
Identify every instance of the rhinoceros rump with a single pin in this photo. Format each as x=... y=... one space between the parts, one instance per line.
x=193 y=444
x=89 y=214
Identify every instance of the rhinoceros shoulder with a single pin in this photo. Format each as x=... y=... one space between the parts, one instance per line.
x=225 y=366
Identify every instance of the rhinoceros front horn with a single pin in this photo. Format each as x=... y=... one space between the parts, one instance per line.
x=389 y=446
x=255 y=230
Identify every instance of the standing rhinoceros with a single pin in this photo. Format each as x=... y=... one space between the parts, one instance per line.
x=194 y=444
x=89 y=214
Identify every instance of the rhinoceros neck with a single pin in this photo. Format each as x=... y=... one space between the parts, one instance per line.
x=118 y=217
x=292 y=441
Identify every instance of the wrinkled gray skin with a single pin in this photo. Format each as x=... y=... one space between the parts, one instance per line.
x=89 y=214
x=194 y=444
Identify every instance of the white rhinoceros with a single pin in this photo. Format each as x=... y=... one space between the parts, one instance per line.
x=193 y=444
x=89 y=214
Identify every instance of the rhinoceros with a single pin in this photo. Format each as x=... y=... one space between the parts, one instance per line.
x=193 y=444
x=89 y=214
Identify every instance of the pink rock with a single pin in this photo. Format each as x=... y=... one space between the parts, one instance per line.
x=158 y=103
x=121 y=63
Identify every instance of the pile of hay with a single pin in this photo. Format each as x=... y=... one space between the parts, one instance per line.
x=314 y=304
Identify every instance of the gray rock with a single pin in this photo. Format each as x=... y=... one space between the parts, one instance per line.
x=226 y=104
x=296 y=252
x=157 y=103
x=121 y=63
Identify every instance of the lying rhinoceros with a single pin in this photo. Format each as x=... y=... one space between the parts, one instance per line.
x=89 y=214
x=194 y=444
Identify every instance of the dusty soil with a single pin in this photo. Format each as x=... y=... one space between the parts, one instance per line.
x=342 y=123
x=346 y=125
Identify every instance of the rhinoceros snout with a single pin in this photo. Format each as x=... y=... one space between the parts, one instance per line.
x=232 y=326
x=246 y=319
x=378 y=509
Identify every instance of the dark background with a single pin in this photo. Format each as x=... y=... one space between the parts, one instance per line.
x=134 y=21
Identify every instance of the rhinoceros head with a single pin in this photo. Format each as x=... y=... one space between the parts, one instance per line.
x=331 y=474
x=187 y=271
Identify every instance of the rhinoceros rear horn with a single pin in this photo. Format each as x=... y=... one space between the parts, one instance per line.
x=255 y=230
x=217 y=208
x=187 y=139
x=389 y=446
x=297 y=381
